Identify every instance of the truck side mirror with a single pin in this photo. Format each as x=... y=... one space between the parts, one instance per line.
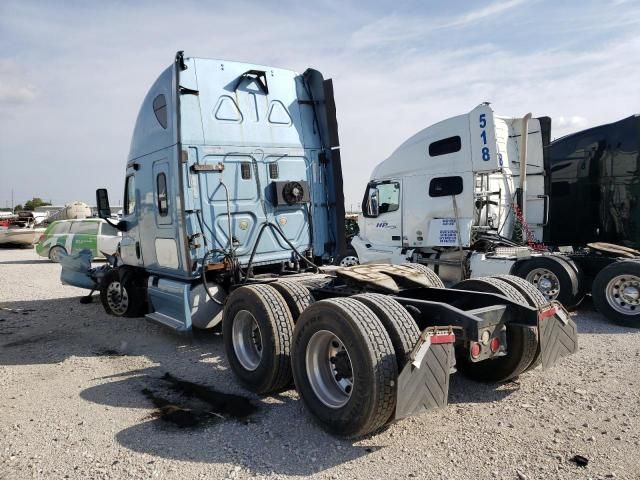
x=102 y=200
x=373 y=207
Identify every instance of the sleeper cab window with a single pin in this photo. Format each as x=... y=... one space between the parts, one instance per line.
x=445 y=186
x=163 y=202
x=160 y=109
x=130 y=195
x=445 y=146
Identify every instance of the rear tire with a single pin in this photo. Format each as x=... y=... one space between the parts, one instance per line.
x=257 y=329
x=400 y=326
x=532 y=295
x=535 y=299
x=616 y=293
x=522 y=342
x=55 y=253
x=433 y=277
x=351 y=394
x=554 y=277
x=579 y=276
x=297 y=296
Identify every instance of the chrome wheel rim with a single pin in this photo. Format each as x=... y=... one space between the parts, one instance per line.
x=247 y=340
x=349 y=261
x=546 y=281
x=117 y=298
x=623 y=294
x=329 y=369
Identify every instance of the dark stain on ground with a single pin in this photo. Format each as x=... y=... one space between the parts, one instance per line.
x=108 y=352
x=172 y=413
x=198 y=404
x=234 y=406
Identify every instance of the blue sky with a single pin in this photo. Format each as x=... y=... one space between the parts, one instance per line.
x=73 y=74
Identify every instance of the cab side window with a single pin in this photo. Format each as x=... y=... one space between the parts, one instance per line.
x=163 y=201
x=381 y=198
x=389 y=197
x=160 y=109
x=445 y=186
x=445 y=146
x=130 y=195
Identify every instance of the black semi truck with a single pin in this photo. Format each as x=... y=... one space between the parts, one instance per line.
x=594 y=184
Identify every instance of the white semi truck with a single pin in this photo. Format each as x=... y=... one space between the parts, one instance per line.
x=468 y=197
x=232 y=207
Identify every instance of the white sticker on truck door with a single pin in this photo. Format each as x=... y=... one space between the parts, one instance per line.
x=443 y=232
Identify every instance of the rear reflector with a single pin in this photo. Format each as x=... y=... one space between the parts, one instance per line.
x=475 y=350
x=437 y=339
x=549 y=312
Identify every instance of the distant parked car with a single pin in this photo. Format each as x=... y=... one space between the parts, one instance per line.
x=71 y=236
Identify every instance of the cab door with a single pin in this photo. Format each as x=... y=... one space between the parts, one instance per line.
x=165 y=237
x=130 y=248
x=382 y=214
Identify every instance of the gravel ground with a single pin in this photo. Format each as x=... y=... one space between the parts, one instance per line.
x=79 y=392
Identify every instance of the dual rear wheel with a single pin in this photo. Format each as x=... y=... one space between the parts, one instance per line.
x=343 y=354
x=522 y=341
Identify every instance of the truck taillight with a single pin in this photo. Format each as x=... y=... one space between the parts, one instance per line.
x=475 y=350
x=494 y=345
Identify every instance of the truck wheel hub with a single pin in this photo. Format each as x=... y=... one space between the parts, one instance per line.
x=117 y=298
x=545 y=281
x=329 y=369
x=630 y=292
x=247 y=340
x=623 y=294
x=349 y=261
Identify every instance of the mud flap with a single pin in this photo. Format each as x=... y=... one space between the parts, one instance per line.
x=423 y=383
x=558 y=334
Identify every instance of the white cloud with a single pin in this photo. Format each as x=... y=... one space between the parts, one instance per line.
x=403 y=30
x=563 y=125
x=491 y=10
x=16 y=94
x=15 y=89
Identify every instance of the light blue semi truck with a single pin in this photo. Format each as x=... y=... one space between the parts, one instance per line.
x=233 y=213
